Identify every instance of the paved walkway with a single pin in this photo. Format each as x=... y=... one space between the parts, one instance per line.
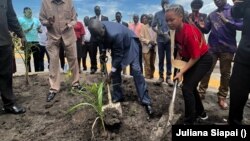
x=213 y=84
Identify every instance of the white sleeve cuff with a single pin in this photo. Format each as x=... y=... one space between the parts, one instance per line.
x=69 y=25
x=113 y=69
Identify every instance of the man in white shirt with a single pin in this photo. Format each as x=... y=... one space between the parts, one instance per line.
x=42 y=39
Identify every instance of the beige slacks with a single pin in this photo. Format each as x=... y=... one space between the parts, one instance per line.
x=54 y=69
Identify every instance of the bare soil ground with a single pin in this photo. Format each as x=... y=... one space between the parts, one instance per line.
x=45 y=121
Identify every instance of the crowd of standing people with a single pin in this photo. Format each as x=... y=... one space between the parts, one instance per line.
x=58 y=33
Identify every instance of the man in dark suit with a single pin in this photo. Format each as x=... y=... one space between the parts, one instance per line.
x=123 y=44
x=118 y=19
x=8 y=22
x=240 y=79
x=98 y=15
x=93 y=49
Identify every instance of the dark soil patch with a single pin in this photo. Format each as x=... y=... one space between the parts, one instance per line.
x=112 y=117
x=50 y=121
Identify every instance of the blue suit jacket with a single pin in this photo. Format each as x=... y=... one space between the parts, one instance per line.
x=123 y=43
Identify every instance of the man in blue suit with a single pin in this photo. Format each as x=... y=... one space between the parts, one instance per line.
x=124 y=46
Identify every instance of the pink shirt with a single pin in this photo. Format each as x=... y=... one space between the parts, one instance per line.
x=136 y=28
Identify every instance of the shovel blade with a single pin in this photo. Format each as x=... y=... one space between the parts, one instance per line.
x=116 y=106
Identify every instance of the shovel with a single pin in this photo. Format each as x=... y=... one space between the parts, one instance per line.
x=160 y=131
x=171 y=106
x=178 y=64
x=110 y=105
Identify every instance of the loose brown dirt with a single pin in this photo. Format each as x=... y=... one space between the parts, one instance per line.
x=45 y=121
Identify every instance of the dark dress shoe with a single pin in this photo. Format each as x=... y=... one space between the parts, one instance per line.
x=149 y=110
x=14 y=109
x=50 y=96
x=84 y=68
x=92 y=71
x=118 y=100
x=169 y=82
x=78 y=87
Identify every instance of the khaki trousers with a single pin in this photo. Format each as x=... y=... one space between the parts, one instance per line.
x=54 y=69
x=149 y=63
x=225 y=70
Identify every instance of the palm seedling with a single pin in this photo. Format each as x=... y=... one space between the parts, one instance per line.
x=93 y=97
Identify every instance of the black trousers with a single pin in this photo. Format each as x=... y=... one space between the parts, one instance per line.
x=14 y=60
x=6 y=58
x=239 y=91
x=79 y=50
x=191 y=79
x=62 y=56
x=93 y=54
x=43 y=51
x=86 y=49
x=36 y=55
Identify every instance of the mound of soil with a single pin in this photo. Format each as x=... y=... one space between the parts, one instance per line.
x=45 y=121
x=112 y=117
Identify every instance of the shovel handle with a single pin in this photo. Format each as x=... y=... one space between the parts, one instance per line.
x=108 y=85
x=109 y=94
x=171 y=106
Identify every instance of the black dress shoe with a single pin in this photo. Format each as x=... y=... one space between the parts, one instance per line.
x=149 y=110
x=14 y=109
x=92 y=71
x=50 y=96
x=78 y=87
x=84 y=68
x=118 y=100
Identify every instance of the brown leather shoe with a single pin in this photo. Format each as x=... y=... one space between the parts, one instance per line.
x=222 y=103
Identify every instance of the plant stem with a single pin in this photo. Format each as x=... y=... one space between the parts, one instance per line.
x=26 y=65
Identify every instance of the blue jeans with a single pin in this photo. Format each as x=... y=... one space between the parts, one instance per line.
x=164 y=49
x=140 y=84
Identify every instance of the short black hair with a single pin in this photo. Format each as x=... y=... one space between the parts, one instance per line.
x=143 y=15
x=118 y=13
x=196 y=4
x=26 y=8
x=164 y=1
x=135 y=15
x=97 y=7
